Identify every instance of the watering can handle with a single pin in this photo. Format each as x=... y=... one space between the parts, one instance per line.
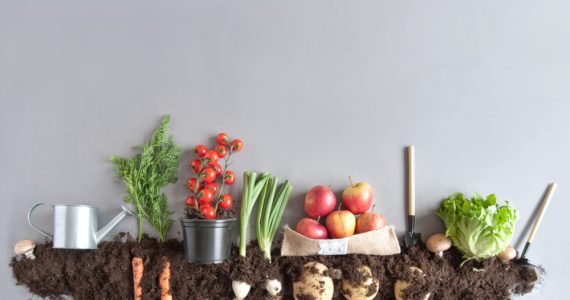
x=32 y=225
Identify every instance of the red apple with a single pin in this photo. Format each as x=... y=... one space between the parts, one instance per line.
x=311 y=228
x=320 y=201
x=369 y=221
x=340 y=223
x=357 y=197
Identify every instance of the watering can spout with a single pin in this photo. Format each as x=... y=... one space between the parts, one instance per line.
x=102 y=233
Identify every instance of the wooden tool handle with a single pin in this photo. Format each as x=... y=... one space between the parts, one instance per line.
x=543 y=207
x=411 y=183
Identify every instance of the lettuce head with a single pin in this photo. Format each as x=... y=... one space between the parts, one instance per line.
x=478 y=227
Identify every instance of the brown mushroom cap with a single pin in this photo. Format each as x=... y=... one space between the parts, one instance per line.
x=438 y=242
x=24 y=246
x=507 y=254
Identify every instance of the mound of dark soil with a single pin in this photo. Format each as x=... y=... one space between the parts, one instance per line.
x=106 y=273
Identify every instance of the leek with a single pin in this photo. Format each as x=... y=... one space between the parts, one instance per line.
x=252 y=188
x=269 y=213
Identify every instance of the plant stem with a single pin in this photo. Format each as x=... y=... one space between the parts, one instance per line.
x=226 y=160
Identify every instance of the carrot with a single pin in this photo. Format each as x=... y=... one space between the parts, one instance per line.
x=137 y=276
x=165 y=280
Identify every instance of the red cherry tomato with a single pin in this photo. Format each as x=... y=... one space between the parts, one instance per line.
x=205 y=196
x=222 y=139
x=195 y=165
x=193 y=184
x=211 y=157
x=229 y=177
x=212 y=187
x=200 y=151
x=221 y=150
x=237 y=145
x=208 y=175
x=218 y=169
x=226 y=201
x=190 y=201
x=208 y=212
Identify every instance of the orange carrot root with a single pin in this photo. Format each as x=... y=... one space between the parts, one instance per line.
x=165 y=280
x=137 y=277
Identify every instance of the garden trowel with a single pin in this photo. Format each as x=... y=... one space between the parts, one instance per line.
x=412 y=237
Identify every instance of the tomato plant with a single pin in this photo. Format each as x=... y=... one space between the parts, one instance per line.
x=229 y=177
x=190 y=200
x=205 y=196
x=192 y=184
x=208 y=175
x=222 y=139
x=221 y=150
x=206 y=193
x=200 y=151
x=195 y=165
x=218 y=169
x=237 y=145
x=211 y=157
x=226 y=202
x=212 y=187
x=209 y=212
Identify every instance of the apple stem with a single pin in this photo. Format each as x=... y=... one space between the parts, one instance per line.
x=350 y=179
x=339 y=203
x=318 y=219
x=373 y=205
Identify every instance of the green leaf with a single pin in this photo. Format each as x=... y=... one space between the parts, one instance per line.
x=146 y=173
x=478 y=227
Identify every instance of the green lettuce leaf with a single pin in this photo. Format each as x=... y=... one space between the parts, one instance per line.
x=478 y=227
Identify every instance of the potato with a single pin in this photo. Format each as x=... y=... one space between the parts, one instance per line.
x=401 y=285
x=360 y=291
x=314 y=282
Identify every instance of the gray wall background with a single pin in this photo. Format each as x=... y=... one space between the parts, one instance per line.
x=317 y=90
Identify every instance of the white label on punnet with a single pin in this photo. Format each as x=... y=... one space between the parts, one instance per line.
x=333 y=247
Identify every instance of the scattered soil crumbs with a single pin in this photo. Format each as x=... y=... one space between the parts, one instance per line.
x=106 y=273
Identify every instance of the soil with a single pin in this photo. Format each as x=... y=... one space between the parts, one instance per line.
x=106 y=273
x=222 y=214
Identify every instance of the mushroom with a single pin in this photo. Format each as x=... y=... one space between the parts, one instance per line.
x=26 y=248
x=314 y=283
x=273 y=287
x=437 y=243
x=506 y=255
x=401 y=285
x=364 y=290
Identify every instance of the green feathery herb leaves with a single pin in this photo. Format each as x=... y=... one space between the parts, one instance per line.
x=146 y=173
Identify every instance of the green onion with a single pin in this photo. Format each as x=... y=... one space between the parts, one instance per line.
x=269 y=213
x=252 y=188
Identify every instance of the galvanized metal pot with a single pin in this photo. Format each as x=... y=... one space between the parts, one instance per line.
x=207 y=241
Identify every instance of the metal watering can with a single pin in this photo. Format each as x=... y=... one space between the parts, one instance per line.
x=76 y=226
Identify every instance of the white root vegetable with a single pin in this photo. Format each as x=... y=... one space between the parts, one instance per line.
x=508 y=254
x=401 y=285
x=273 y=287
x=314 y=283
x=361 y=290
x=26 y=248
x=241 y=289
x=437 y=243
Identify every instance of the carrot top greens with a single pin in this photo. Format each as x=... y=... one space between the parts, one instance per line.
x=146 y=173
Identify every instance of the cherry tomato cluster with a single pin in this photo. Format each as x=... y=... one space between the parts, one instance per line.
x=209 y=177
